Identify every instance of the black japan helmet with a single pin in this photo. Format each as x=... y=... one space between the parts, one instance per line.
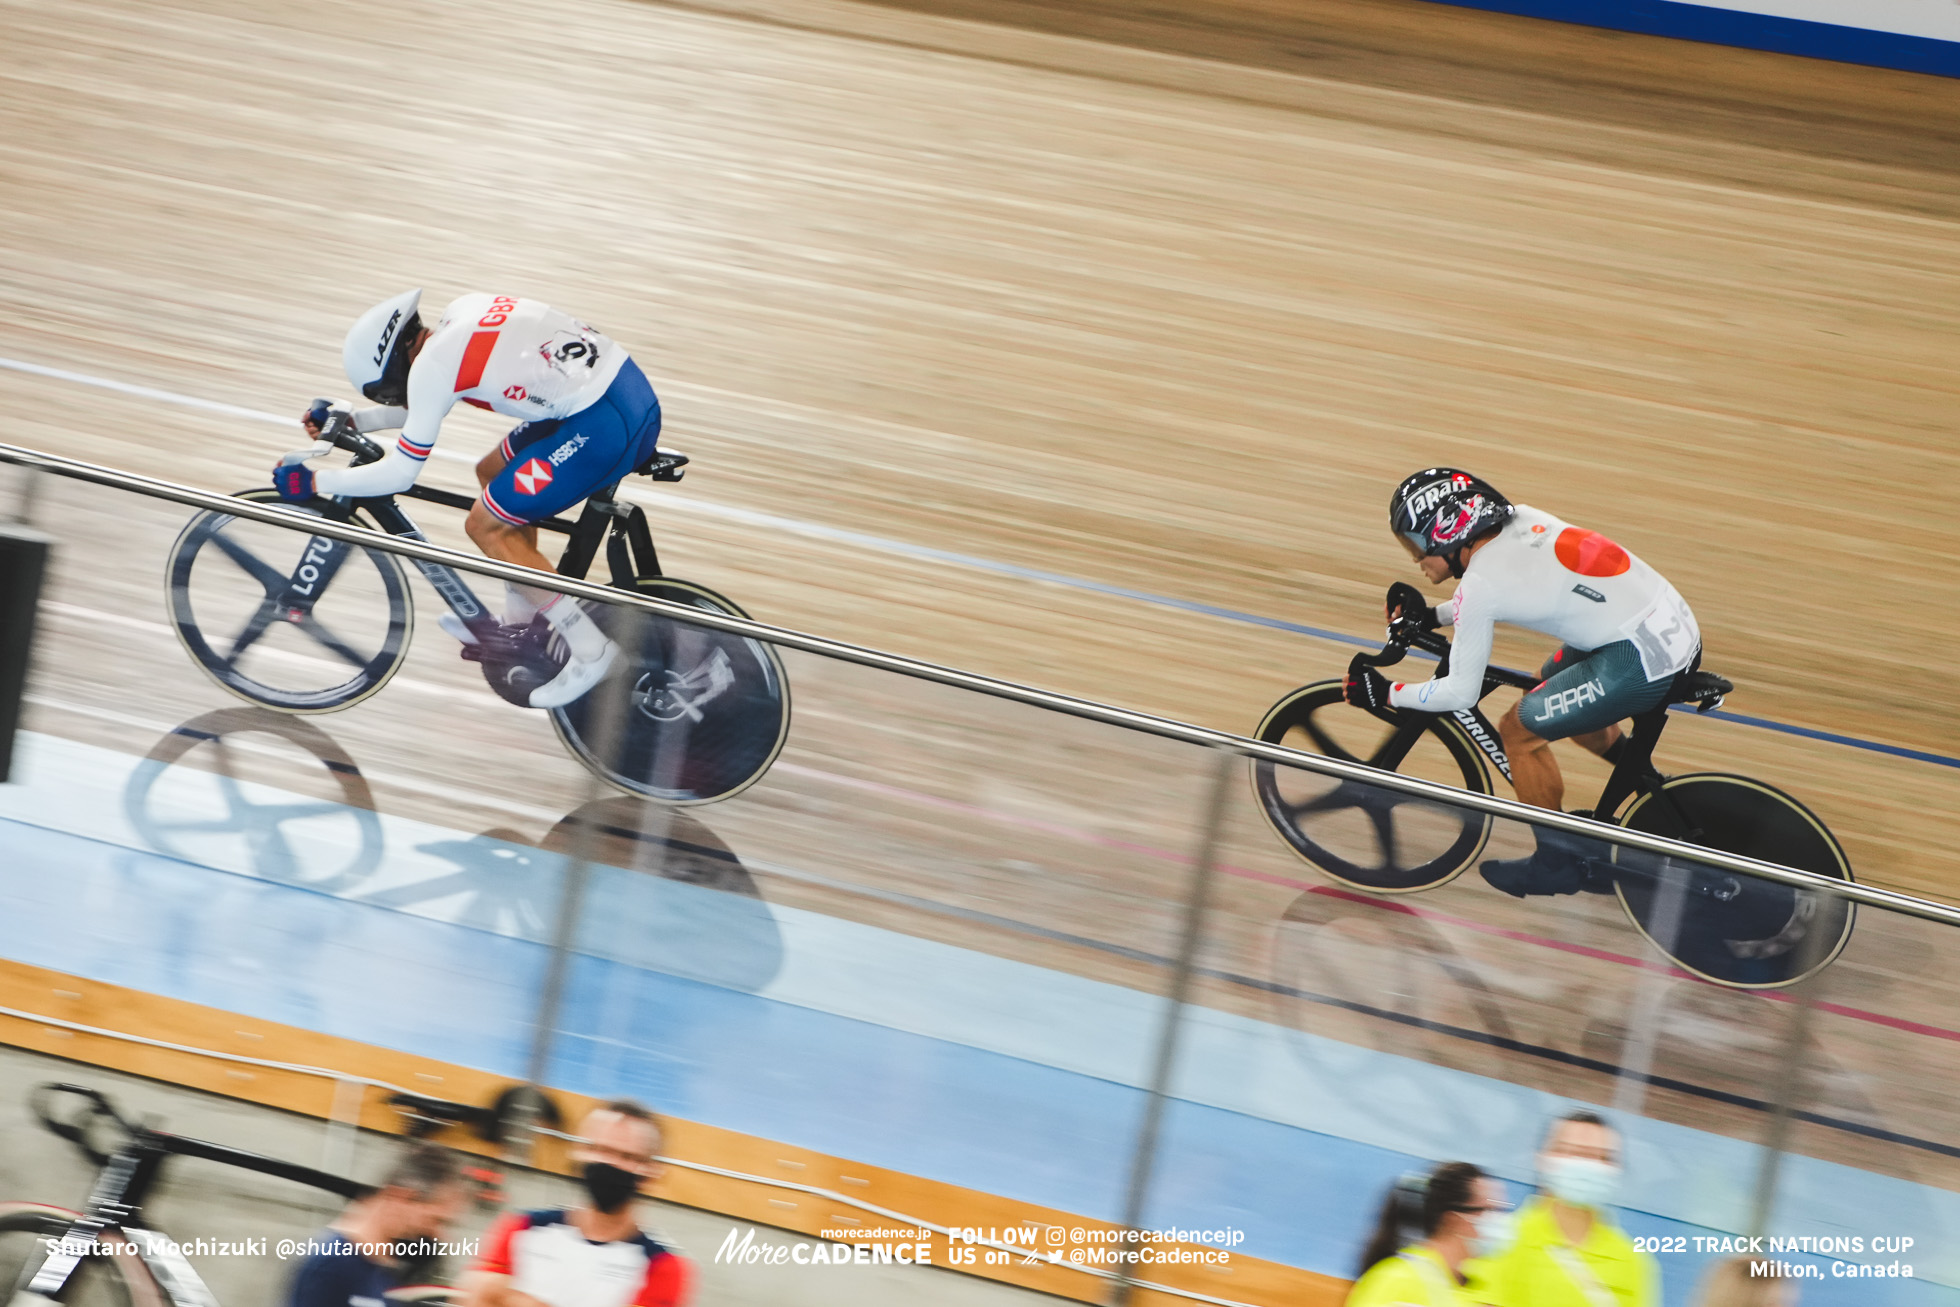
x=1440 y=510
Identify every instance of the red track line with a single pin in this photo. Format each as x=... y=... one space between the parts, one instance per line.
x=1352 y=896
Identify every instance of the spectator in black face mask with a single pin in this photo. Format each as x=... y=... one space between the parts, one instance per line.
x=594 y=1256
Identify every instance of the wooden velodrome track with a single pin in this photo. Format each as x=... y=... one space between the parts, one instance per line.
x=1166 y=303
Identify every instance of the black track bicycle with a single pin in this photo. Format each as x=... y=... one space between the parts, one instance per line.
x=1733 y=930
x=105 y=1255
x=307 y=624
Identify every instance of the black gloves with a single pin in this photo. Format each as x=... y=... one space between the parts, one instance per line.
x=1413 y=605
x=1366 y=687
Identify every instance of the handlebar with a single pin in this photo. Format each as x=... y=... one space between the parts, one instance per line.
x=76 y=1130
x=1405 y=633
x=339 y=431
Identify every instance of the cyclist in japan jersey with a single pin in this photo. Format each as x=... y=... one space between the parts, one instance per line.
x=586 y=417
x=1624 y=633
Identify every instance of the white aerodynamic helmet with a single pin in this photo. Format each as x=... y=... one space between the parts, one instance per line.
x=376 y=350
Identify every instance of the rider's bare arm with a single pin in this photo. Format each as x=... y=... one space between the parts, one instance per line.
x=1476 y=629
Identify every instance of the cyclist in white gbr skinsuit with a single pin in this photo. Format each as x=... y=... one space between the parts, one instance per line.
x=587 y=416
x=1624 y=631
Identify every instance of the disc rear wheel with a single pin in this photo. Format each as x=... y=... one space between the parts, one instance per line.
x=1735 y=930
x=689 y=715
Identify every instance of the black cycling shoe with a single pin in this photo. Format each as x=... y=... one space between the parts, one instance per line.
x=1562 y=864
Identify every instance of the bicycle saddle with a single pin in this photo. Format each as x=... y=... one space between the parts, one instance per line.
x=1704 y=690
x=664 y=465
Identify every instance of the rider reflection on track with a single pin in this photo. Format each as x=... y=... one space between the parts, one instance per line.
x=586 y=417
x=1625 y=633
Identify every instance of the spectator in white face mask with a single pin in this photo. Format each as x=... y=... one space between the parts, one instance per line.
x=1567 y=1250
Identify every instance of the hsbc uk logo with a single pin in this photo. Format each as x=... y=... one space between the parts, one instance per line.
x=536 y=473
x=533 y=477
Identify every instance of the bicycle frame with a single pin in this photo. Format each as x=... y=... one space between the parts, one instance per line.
x=1633 y=772
x=623 y=528
x=115 y=1202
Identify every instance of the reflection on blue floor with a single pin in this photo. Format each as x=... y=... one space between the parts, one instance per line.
x=784 y=1025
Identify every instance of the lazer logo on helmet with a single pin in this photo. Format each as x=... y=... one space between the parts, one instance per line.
x=387 y=337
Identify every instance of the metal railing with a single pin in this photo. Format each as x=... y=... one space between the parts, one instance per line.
x=1106 y=714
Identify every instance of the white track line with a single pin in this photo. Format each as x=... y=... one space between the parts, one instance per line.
x=97 y=616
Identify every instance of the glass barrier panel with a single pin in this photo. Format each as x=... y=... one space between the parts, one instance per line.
x=1372 y=1006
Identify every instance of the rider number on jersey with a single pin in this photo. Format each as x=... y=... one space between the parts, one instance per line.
x=1666 y=637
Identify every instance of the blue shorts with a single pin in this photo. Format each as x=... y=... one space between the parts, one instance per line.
x=553 y=463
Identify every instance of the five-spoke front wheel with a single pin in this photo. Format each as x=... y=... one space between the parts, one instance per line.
x=1361 y=834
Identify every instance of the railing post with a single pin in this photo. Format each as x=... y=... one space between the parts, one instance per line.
x=565 y=925
x=1656 y=984
x=1785 y=1091
x=343 y=1126
x=1196 y=904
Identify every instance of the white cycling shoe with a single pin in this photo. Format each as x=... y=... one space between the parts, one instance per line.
x=575 y=679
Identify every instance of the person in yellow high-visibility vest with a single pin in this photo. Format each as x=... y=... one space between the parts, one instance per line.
x=1429 y=1226
x=1567 y=1250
